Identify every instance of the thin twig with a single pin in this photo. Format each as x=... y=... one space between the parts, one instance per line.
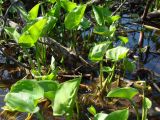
x=119 y=8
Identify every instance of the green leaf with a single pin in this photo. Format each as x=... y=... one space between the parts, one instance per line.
x=101 y=30
x=65 y=97
x=100 y=116
x=107 y=69
x=33 y=13
x=50 y=88
x=123 y=39
x=85 y=24
x=13 y=33
x=92 y=110
x=28 y=86
x=54 y=11
x=98 y=51
x=74 y=17
x=128 y=65
x=68 y=5
x=22 y=102
x=126 y=92
x=31 y=35
x=24 y=96
x=117 y=53
x=51 y=22
x=51 y=1
x=120 y=114
x=98 y=13
x=111 y=19
x=147 y=103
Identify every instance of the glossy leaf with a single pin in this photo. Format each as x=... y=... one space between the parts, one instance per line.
x=12 y=32
x=65 y=97
x=50 y=88
x=126 y=92
x=33 y=13
x=92 y=110
x=101 y=30
x=123 y=39
x=23 y=96
x=68 y=5
x=31 y=35
x=98 y=51
x=112 y=19
x=117 y=53
x=73 y=19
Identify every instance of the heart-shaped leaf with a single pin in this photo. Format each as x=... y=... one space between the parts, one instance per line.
x=31 y=35
x=24 y=96
x=65 y=97
x=117 y=53
x=126 y=92
x=98 y=51
x=74 y=17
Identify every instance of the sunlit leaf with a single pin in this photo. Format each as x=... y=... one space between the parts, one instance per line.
x=24 y=96
x=118 y=114
x=12 y=32
x=30 y=36
x=123 y=39
x=50 y=88
x=54 y=11
x=68 y=5
x=98 y=51
x=126 y=92
x=74 y=17
x=112 y=19
x=21 y=101
x=147 y=103
x=65 y=97
x=100 y=116
x=117 y=53
x=92 y=110
x=98 y=13
x=33 y=13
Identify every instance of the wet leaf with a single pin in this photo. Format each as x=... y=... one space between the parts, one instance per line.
x=33 y=13
x=126 y=93
x=98 y=51
x=68 y=5
x=31 y=35
x=117 y=53
x=74 y=17
x=65 y=97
